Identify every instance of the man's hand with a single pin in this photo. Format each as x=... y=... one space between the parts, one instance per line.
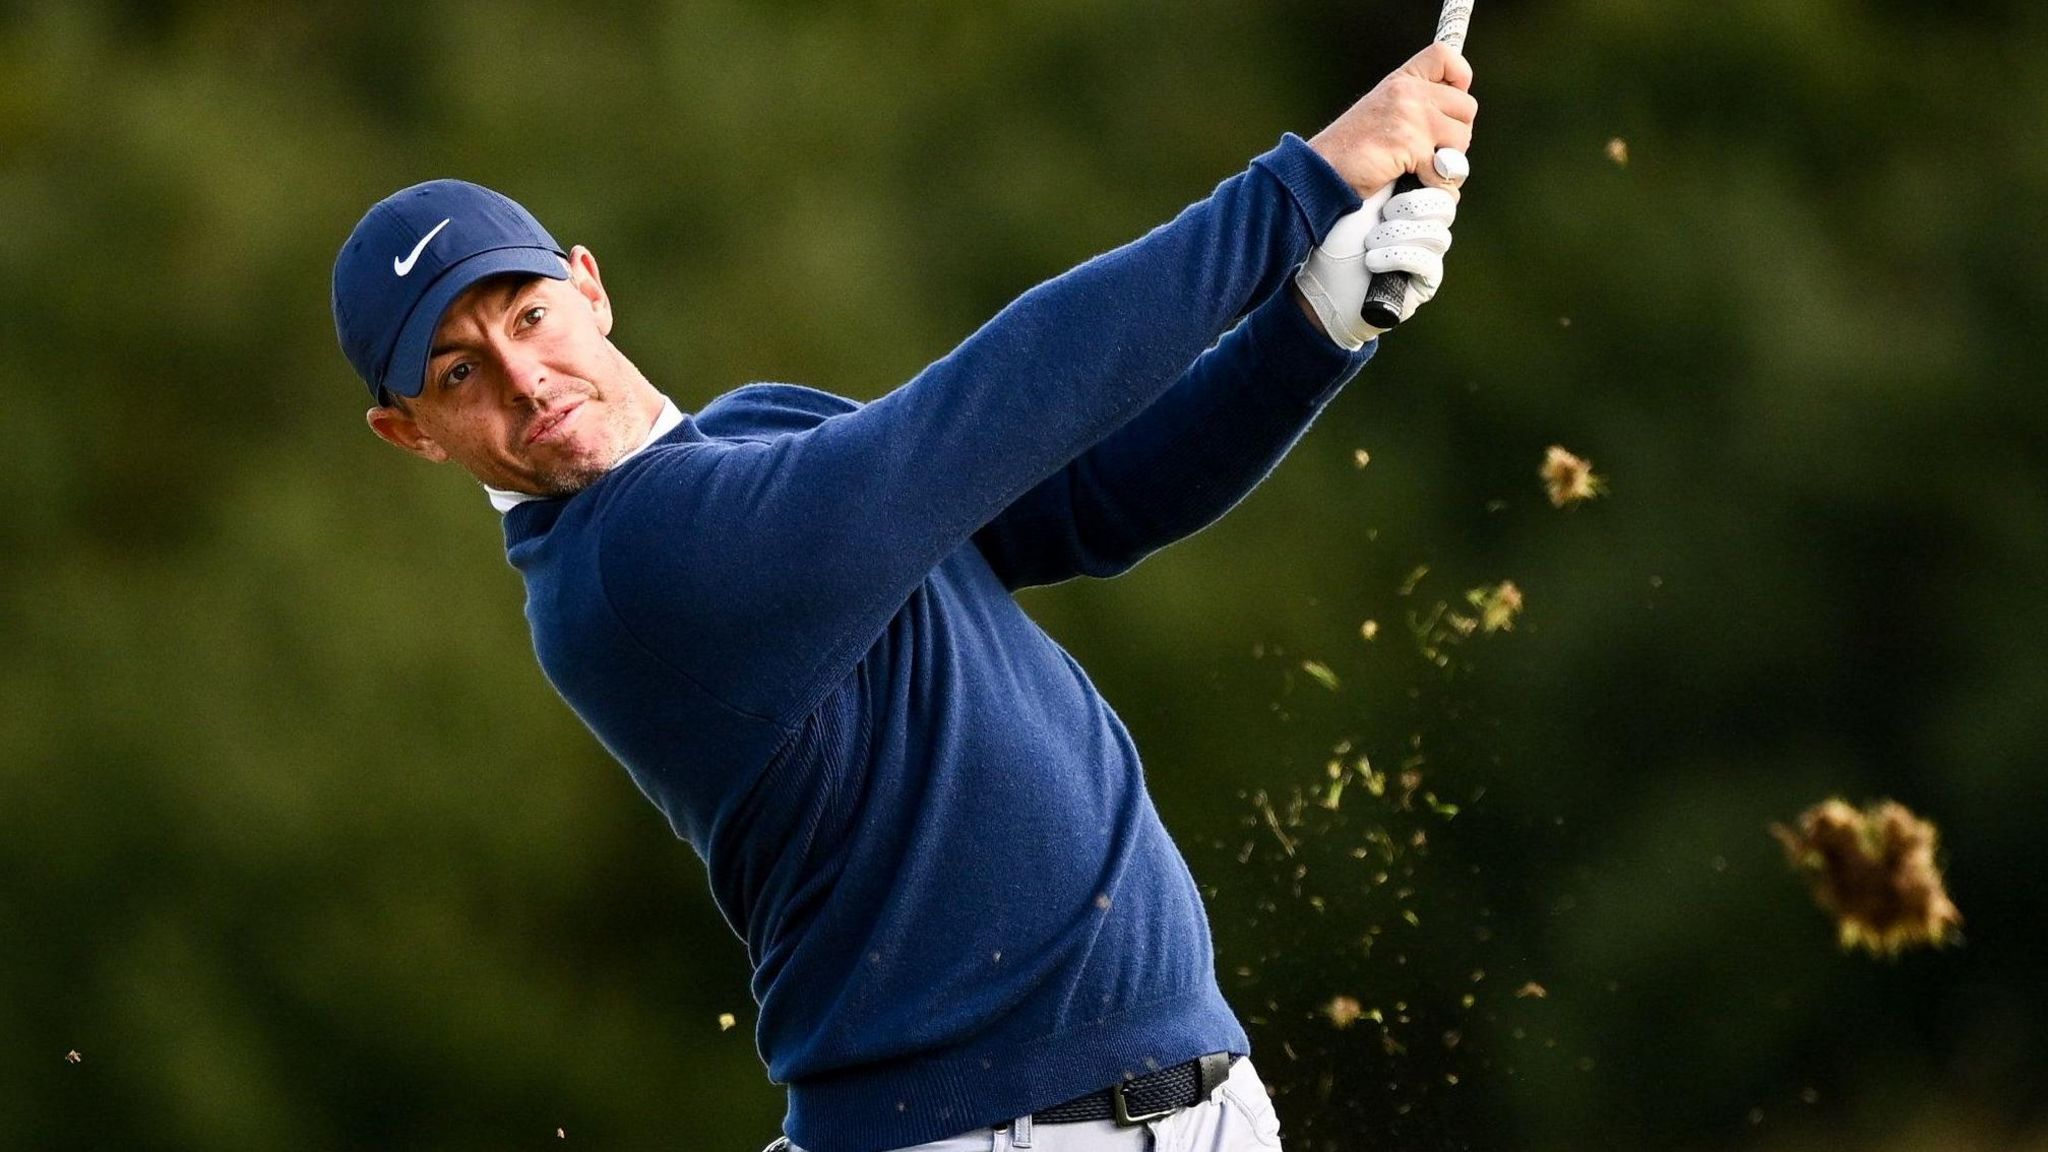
x=1426 y=104
x=1406 y=233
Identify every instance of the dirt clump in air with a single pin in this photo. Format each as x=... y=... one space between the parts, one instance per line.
x=1874 y=871
x=1569 y=479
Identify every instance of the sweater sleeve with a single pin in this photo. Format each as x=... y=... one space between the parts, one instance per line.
x=1182 y=463
x=764 y=568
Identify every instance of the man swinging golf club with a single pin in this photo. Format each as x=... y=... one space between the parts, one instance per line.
x=789 y=615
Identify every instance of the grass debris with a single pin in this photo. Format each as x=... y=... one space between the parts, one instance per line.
x=1569 y=479
x=1498 y=606
x=1874 y=871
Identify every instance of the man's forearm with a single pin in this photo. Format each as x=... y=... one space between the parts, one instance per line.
x=1183 y=462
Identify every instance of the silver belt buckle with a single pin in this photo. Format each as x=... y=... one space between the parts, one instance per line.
x=1122 y=1109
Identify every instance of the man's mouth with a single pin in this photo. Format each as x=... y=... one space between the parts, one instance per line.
x=552 y=426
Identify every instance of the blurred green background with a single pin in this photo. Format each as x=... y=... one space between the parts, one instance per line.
x=298 y=850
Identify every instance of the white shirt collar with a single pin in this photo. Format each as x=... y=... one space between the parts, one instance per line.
x=664 y=424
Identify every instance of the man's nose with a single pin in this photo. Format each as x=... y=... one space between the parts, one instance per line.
x=526 y=378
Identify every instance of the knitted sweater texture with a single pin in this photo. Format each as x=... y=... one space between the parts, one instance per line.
x=791 y=620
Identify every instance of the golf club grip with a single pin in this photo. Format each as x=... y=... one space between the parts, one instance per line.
x=1388 y=290
x=1452 y=22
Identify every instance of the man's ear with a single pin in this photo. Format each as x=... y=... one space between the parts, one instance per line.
x=583 y=274
x=397 y=426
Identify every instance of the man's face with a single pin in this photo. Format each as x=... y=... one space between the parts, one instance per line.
x=524 y=388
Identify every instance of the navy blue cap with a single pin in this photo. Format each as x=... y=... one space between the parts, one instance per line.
x=410 y=256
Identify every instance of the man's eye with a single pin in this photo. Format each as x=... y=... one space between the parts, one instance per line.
x=532 y=315
x=457 y=373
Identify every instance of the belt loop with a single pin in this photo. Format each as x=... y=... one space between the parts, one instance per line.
x=1020 y=1132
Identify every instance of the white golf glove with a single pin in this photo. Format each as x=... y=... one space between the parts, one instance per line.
x=1405 y=233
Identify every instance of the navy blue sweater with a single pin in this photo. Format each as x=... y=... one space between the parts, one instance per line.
x=791 y=619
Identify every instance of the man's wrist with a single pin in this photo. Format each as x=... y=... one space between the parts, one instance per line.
x=1296 y=355
x=1339 y=323
x=1318 y=190
x=1307 y=309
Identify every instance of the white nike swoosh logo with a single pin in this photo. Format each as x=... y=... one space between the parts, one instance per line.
x=403 y=266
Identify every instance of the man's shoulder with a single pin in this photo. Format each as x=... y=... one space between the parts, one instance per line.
x=767 y=410
x=693 y=485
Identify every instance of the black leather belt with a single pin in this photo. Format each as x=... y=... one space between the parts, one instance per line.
x=1148 y=1097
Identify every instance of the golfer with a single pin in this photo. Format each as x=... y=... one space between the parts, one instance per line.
x=789 y=615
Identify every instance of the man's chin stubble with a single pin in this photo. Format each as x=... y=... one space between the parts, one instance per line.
x=561 y=485
x=570 y=477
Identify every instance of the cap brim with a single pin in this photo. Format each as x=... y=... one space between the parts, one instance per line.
x=406 y=374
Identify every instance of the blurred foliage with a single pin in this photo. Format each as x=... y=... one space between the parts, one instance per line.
x=297 y=849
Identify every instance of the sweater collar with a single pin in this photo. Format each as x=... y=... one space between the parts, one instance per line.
x=664 y=424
